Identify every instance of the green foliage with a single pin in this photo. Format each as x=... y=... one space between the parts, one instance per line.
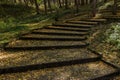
x=108 y=5
x=10 y=29
x=7 y=25
x=113 y=35
x=16 y=11
x=10 y=25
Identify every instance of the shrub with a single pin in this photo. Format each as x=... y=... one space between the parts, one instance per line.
x=113 y=35
x=7 y=25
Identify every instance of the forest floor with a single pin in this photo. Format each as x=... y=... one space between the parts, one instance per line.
x=35 y=23
x=97 y=39
x=26 y=20
x=98 y=42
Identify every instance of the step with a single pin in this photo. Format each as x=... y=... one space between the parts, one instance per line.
x=83 y=22
x=117 y=77
x=58 y=32
x=48 y=56
x=111 y=17
x=104 y=11
x=44 y=44
x=95 y=20
x=72 y=25
x=53 y=37
x=110 y=76
x=68 y=28
x=86 y=71
x=116 y=18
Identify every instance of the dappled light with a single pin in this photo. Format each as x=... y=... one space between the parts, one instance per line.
x=59 y=40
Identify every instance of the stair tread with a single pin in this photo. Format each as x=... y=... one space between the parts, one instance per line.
x=105 y=10
x=67 y=28
x=47 y=56
x=51 y=36
x=58 y=31
x=85 y=71
x=83 y=22
x=51 y=32
x=96 y=20
x=112 y=16
x=72 y=25
x=32 y=43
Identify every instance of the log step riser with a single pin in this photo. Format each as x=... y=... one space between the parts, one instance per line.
x=47 y=65
x=65 y=34
x=46 y=47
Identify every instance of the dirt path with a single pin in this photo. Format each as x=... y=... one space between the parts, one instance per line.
x=57 y=52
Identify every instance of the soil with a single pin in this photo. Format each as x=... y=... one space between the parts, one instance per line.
x=98 y=42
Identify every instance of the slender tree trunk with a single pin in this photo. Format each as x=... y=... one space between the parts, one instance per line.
x=82 y=2
x=94 y=8
x=105 y=0
x=49 y=5
x=45 y=6
x=31 y=2
x=66 y=4
x=59 y=1
x=26 y=2
x=115 y=7
x=76 y=4
x=91 y=1
x=37 y=7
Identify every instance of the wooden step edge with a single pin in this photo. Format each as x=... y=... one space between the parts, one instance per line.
x=95 y=20
x=78 y=22
x=112 y=18
x=78 y=26
x=109 y=76
x=103 y=11
x=65 y=24
x=53 y=39
x=94 y=51
x=26 y=68
x=108 y=63
x=60 y=33
x=46 y=47
x=68 y=29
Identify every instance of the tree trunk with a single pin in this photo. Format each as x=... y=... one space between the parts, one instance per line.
x=82 y=2
x=49 y=5
x=45 y=6
x=37 y=7
x=66 y=4
x=76 y=4
x=94 y=8
x=59 y=1
x=114 y=12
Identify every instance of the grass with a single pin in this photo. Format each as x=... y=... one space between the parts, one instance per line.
x=11 y=30
x=15 y=11
x=18 y=19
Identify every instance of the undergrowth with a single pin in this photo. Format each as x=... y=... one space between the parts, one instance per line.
x=18 y=18
x=113 y=35
x=9 y=28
